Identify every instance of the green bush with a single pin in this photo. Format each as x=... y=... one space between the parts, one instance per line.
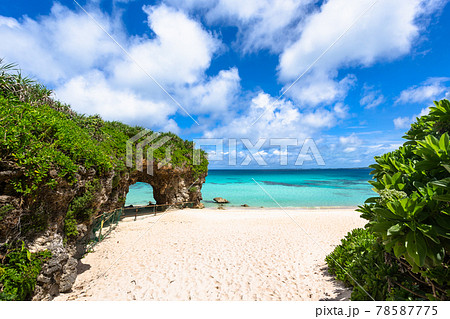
x=411 y=214
x=80 y=209
x=361 y=262
x=193 y=189
x=18 y=273
x=70 y=225
x=357 y=260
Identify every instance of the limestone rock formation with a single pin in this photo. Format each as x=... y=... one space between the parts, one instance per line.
x=170 y=184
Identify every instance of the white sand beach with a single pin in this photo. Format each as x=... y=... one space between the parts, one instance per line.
x=211 y=254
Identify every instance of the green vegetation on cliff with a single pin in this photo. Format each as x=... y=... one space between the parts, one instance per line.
x=404 y=251
x=18 y=272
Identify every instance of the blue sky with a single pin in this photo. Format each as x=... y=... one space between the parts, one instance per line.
x=226 y=62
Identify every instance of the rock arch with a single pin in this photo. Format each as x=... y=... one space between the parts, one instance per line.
x=171 y=184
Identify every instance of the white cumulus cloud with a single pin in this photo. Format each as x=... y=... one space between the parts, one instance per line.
x=91 y=93
x=371 y=98
x=387 y=31
x=350 y=143
x=179 y=54
x=262 y=24
x=58 y=46
x=430 y=90
x=215 y=95
x=404 y=122
x=280 y=119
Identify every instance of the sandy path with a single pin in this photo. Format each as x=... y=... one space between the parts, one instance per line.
x=209 y=254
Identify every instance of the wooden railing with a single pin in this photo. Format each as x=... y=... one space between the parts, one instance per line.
x=102 y=226
x=153 y=209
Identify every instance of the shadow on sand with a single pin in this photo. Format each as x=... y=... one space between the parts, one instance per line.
x=81 y=268
x=341 y=292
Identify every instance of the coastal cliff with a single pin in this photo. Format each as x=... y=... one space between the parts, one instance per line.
x=58 y=170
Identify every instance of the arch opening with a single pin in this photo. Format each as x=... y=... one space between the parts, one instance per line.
x=169 y=185
x=140 y=194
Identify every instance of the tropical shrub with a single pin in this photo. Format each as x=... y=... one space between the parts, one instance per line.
x=80 y=209
x=358 y=261
x=19 y=269
x=410 y=215
x=361 y=262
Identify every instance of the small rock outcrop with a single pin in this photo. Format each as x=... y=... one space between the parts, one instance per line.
x=220 y=200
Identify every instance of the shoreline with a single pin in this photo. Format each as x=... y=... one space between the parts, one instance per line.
x=210 y=254
x=267 y=207
x=284 y=207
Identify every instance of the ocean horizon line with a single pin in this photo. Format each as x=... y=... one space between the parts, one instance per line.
x=284 y=169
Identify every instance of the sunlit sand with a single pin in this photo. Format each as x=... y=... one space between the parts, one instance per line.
x=210 y=254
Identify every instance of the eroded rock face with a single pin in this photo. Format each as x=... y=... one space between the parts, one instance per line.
x=170 y=185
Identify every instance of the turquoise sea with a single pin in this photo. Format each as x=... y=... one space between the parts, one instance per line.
x=290 y=188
